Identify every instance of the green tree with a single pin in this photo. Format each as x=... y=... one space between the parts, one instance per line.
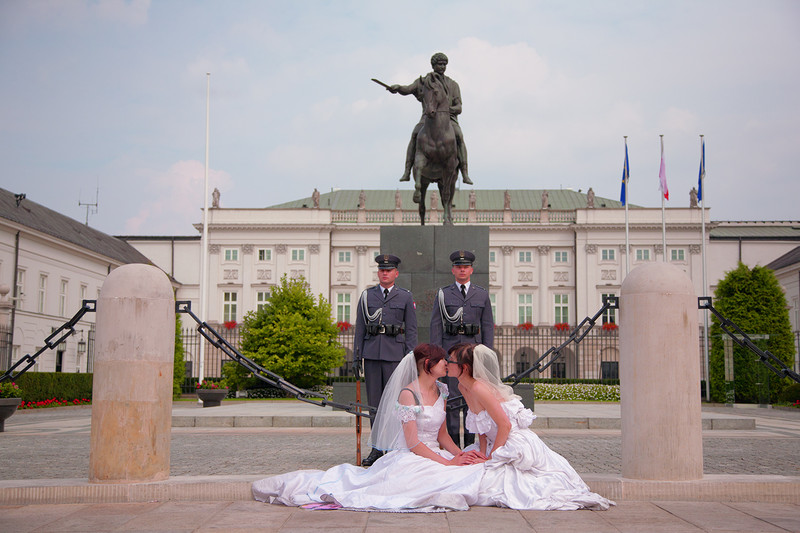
x=293 y=336
x=753 y=300
x=179 y=368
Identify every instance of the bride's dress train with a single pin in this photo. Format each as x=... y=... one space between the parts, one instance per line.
x=524 y=473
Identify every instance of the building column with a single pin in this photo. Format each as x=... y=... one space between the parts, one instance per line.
x=507 y=283
x=544 y=292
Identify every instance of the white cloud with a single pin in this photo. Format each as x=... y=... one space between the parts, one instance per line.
x=174 y=197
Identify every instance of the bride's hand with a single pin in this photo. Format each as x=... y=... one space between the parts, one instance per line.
x=479 y=457
x=467 y=458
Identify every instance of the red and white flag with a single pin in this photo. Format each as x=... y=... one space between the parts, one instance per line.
x=662 y=174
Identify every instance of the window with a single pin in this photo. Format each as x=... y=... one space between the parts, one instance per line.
x=643 y=254
x=42 y=292
x=562 y=257
x=343 y=306
x=20 y=285
x=493 y=300
x=344 y=257
x=678 y=254
x=525 y=308
x=229 y=306
x=608 y=254
x=264 y=254
x=561 y=308
x=231 y=254
x=609 y=315
x=298 y=254
x=262 y=299
x=525 y=257
x=375 y=254
x=84 y=290
x=492 y=257
x=62 y=298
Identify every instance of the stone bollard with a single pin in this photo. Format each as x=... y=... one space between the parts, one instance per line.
x=132 y=390
x=660 y=376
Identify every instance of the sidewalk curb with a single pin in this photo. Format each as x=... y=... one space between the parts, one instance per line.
x=711 y=488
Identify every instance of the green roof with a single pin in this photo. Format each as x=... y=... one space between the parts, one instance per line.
x=756 y=231
x=491 y=200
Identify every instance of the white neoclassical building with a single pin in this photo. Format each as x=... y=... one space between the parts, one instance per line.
x=552 y=256
x=546 y=265
x=49 y=264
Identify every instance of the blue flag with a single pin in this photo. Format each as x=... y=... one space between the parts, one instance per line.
x=625 y=176
x=702 y=173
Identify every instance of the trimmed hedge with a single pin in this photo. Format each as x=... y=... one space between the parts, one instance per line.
x=41 y=386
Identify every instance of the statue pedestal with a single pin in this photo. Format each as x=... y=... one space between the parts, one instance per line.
x=425 y=254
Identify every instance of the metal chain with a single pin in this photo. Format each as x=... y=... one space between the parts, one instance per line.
x=216 y=340
x=742 y=339
x=66 y=329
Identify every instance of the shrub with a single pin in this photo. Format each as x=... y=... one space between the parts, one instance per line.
x=754 y=301
x=293 y=336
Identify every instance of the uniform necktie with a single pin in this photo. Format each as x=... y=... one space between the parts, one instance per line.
x=385 y=293
x=464 y=291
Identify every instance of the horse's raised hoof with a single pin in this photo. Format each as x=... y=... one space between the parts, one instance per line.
x=417 y=196
x=465 y=179
x=405 y=177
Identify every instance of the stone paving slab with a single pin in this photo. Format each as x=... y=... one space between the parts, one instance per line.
x=241 y=516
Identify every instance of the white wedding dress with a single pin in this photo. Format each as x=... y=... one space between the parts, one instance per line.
x=524 y=473
x=400 y=481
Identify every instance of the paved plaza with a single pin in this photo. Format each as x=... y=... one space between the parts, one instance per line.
x=217 y=452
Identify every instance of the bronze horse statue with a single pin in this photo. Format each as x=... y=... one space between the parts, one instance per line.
x=436 y=158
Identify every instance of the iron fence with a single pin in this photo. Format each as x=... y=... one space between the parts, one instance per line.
x=596 y=357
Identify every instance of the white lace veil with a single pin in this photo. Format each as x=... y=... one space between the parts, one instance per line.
x=387 y=432
x=486 y=368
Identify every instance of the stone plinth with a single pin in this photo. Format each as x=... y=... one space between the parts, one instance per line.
x=660 y=375
x=425 y=255
x=132 y=391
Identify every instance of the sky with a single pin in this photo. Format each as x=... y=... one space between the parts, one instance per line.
x=110 y=96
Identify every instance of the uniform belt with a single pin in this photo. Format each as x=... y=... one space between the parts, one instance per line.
x=385 y=329
x=462 y=329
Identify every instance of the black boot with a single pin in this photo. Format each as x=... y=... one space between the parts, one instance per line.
x=374 y=455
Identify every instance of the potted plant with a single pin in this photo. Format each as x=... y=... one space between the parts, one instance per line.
x=211 y=393
x=10 y=398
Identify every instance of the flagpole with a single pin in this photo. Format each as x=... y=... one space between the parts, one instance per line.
x=204 y=243
x=663 y=207
x=702 y=198
x=626 y=173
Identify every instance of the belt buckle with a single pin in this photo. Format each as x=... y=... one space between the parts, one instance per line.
x=382 y=329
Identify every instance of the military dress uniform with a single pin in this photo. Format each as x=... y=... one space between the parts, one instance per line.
x=386 y=330
x=461 y=318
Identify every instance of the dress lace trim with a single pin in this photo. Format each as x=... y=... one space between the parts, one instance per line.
x=407 y=413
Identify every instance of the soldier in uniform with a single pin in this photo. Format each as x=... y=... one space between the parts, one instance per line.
x=386 y=330
x=462 y=313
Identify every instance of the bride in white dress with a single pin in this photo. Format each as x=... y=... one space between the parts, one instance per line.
x=521 y=471
x=422 y=472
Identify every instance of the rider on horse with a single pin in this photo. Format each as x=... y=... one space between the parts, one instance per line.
x=439 y=64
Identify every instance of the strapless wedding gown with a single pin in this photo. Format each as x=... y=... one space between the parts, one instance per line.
x=524 y=473
x=400 y=481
